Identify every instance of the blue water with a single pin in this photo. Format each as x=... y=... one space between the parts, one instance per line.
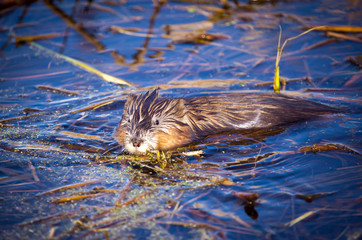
x=192 y=197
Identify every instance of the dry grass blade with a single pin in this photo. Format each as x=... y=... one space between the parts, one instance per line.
x=33 y=172
x=355 y=79
x=83 y=136
x=51 y=218
x=58 y=90
x=344 y=37
x=338 y=28
x=255 y=159
x=36 y=76
x=320 y=44
x=17 y=118
x=239 y=220
x=75 y=198
x=191 y=225
x=77 y=27
x=97 y=105
x=130 y=32
x=301 y=218
x=30 y=38
x=84 y=66
x=123 y=193
x=51 y=233
x=69 y=187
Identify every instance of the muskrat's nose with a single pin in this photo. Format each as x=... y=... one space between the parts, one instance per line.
x=137 y=142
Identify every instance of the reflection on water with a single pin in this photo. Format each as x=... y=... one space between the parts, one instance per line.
x=62 y=175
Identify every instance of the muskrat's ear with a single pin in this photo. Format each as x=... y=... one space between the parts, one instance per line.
x=155 y=92
x=153 y=95
x=131 y=98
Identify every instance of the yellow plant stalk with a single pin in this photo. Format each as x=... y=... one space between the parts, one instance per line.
x=279 y=55
x=276 y=85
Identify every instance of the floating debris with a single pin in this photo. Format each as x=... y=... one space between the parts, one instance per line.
x=355 y=60
x=30 y=110
x=311 y=197
x=193 y=27
x=249 y=197
x=195 y=37
x=326 y=147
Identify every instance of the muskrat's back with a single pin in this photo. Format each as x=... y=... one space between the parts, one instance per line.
x=150 y=122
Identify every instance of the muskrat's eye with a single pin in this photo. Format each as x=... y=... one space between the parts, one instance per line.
x=157 y=122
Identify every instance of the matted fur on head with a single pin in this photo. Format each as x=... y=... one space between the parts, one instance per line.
x=148 y=120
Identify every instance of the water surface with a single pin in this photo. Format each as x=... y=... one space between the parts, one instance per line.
x=299 y=182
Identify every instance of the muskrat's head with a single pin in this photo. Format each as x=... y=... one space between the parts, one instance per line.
x=152 y=123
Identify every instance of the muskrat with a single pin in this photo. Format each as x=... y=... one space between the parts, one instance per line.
x=150 y=122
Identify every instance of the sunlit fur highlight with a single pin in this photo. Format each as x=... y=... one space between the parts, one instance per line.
x=150 y=122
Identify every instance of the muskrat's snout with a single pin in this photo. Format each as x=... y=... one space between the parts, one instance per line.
x=136 y=145
x=136 y=142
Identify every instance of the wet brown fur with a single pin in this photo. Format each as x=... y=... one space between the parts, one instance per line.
x=185 y=120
